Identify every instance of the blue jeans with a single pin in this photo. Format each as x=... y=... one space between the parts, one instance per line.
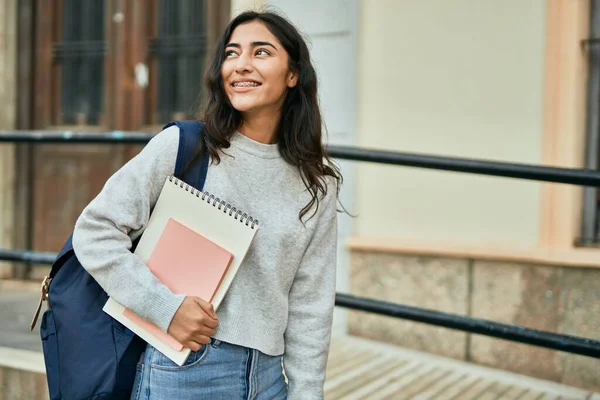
x=218 y=371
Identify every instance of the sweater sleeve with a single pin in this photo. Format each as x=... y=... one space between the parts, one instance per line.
x=102 y=241
x=311 y=305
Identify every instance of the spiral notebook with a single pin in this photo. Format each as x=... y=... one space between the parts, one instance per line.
x=194 y=243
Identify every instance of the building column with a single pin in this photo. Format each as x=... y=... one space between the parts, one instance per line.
x=563 y=137
x=8 y=113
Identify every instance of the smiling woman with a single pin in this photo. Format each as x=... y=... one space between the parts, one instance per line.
x=268 y=50
x=263 y=135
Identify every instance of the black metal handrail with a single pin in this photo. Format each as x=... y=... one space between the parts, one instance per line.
x=584 y=177
x=27 y=256
x=514 y=333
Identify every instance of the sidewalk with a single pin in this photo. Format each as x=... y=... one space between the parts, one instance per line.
x=364 y=369
x=18 y=301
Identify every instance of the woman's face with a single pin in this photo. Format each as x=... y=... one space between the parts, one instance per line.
x=255 y=70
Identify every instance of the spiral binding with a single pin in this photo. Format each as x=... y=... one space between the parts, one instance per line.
x=216 y=202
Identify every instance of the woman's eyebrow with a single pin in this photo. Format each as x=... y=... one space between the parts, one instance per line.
x=253 y=44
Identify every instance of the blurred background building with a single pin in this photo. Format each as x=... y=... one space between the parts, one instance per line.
x=498 y=80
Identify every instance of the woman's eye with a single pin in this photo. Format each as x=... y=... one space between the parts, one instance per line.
x=262 y=52
x=229 y=53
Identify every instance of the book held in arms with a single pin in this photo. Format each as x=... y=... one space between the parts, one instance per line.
x=194 y=243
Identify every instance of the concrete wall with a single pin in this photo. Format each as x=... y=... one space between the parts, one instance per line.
x=458 y=78
x=8 y=114
x=492 y=80
x=551 y=298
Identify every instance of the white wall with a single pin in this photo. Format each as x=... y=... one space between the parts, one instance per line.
x=459 y=78
x=238 y=6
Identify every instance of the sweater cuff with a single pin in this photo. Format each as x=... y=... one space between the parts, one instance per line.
x=163 y=307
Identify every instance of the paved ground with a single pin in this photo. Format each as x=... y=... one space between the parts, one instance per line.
x=368 y=370
x=17 y=305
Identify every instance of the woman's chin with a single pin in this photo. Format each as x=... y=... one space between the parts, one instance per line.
x=245 y=107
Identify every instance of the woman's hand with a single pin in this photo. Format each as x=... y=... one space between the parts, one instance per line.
x=194 y=323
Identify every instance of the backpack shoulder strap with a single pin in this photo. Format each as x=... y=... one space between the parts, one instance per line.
x=63 y=255
x=187 y=167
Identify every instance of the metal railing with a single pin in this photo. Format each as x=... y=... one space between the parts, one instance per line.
x=583 y=177
x=515 y=333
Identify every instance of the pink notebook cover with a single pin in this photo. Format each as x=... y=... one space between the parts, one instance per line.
x=188 y=263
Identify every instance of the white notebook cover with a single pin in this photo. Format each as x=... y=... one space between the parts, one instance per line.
x=188 y=207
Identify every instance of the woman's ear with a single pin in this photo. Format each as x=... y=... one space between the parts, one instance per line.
x=292 y=79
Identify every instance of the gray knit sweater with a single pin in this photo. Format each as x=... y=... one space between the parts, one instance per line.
x=281 y=301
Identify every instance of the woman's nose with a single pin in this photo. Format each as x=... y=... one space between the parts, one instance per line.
x=244 y=64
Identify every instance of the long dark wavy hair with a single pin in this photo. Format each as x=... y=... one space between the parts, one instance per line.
x=299 y=134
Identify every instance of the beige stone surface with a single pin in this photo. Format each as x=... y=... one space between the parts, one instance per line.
x=426 y=282
x=525 y=295
x=580 y=304
x=554 y=299
x=19 y=384
x=363 y=369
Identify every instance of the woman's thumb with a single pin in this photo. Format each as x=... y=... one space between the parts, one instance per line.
x=207 y=307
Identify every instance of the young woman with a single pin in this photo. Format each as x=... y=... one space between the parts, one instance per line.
x=263 y=134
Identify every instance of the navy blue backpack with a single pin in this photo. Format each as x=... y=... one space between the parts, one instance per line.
x=88 y=354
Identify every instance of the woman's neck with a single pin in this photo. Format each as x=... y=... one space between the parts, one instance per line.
x=261 y=127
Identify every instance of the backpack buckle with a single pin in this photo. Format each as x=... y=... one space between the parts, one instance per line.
x=44 y=297
x=44 y=289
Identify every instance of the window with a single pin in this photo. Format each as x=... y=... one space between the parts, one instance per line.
x=78 y=55
x=121 y=65
x=178 y=53
x=99 y=65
